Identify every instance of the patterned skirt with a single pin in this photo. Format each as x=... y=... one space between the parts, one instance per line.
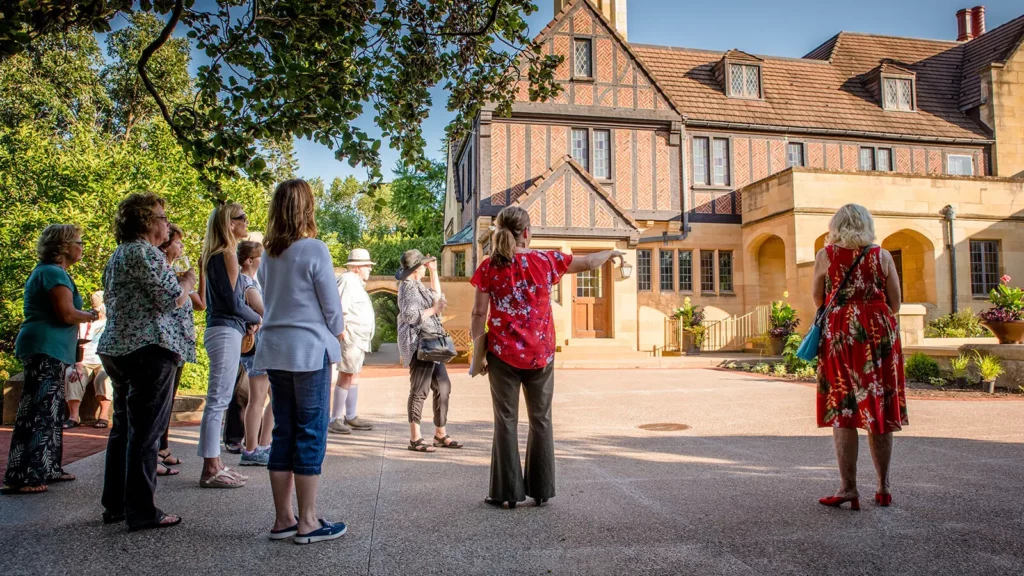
x=37 y=443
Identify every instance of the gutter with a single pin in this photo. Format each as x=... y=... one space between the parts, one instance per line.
x=833 y=132
x=950 y=214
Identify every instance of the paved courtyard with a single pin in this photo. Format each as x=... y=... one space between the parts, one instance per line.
x=733 y=494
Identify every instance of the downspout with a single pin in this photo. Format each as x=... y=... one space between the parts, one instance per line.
x=950 y=214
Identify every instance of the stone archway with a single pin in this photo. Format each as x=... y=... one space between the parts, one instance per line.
x=770 y=256
x=820 y=243
x=915 y=262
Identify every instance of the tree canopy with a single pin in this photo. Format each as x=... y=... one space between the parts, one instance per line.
x=309 y=68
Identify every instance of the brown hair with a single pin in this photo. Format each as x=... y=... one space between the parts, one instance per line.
x=292 y=216
x=508 y=228
x=173 y=230
x=54 y=242
x=249 y=249
x=135 y=215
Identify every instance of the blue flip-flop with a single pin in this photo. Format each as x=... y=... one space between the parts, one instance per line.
x=284 y=533
x=327 y=531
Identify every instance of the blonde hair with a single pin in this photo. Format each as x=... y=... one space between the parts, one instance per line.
x=851 y=227
x=508 y=228
x=96 y=299
x=219 y=237
x=54 y=242
x=292 y=216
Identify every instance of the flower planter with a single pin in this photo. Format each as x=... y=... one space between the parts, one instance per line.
x=777 y=344
x=690 y=344
x=961 y=382
x=1007 y=332
x=988 y=386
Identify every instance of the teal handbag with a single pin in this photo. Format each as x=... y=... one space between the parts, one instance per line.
x=808 y=349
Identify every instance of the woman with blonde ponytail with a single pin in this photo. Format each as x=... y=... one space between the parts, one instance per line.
x=513 y=300
x=227 y=320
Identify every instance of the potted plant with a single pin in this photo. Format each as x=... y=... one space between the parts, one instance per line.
x=1006 y=316
x=958 y=369
x=989 y=368
x=783 y=322
x=692 y=332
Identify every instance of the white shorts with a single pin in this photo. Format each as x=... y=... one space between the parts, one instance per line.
x=352 y=358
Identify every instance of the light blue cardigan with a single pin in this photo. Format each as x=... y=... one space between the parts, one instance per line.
x=302 y=311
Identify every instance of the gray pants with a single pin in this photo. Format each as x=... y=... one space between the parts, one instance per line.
x=507 y=480
x=425 y=377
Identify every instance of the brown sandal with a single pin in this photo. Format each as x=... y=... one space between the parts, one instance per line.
x=447 y=442
x=12 y=490
x=421 y=446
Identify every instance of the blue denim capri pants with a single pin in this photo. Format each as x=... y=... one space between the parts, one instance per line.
x=301 y=404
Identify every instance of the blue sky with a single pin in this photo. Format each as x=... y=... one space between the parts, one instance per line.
x=778 y=28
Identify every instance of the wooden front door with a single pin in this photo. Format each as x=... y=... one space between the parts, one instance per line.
x=591 y=303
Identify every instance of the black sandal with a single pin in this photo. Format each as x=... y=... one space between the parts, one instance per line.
x=440 y=442
x=421 y=446
x=500 y=503
x=164 y=459
x=70 y=424
x=159 y=523
x=111 y=518
x=101 y=423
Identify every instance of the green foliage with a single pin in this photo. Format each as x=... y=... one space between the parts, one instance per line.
x=385 y=308
x=806 y=373
x=732 y=366
x=779 y=369
x=195 y=377
x=938 y=382
x=782 y=318
x=793 y=363
x=387 y=250
x=1007 y=303
x=921 y=367
x=417 y=196
x=9 y=366
x=306 y=68
x=989 y=367
x=958 y=366
x=961 y=324
x=761 y=368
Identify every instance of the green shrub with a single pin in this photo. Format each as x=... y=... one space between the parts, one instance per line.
x=989 y=366
x=961 y=324
x=761 y=368
x=9 y=366
x=806 y=372
x=385 y=309
x=958 y=366
x=793 y=363
x=779 y=369
x=195 y=377
x=732 y=366
x=921 y=368
x=937 y=382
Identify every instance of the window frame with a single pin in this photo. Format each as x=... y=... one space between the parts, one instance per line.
x=704 y=270
x=590 y=55
x=803 y=155
x=986 y=287
x=685 y=287
x=455 y=263
x=970 y=161
x=744 y=66
x=671 y=277
x=640 y=270
x=593 y=153
x=898 y=78
x=726 y=163
x=732 y=271
x=705 y=144
x=587 y=150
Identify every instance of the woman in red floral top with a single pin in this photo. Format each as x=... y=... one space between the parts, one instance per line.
x=514 y=287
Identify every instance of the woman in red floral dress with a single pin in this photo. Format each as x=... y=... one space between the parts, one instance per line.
x=513 y=289
x=860 y=361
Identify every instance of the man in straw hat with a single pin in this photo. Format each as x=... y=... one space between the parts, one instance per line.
x=360 y=324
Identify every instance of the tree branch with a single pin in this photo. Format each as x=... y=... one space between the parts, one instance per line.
x=482 y=31
x=179 y=5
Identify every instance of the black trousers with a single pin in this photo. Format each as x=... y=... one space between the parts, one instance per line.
x=234 y=419
x=507 y=480
x=164 y=440
x=143 y=382
x=424 y=377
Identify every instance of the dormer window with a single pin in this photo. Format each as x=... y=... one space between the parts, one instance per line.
x=744 y=81
x=582 y=61
x=898 y=94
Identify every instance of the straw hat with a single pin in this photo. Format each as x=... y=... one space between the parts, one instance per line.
x=359 y=257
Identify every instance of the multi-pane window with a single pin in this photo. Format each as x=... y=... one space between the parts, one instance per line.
x=867 y=159
x=643 y=270
x=581 y=51
x=700 y=161
x=794 y=154
x=460 y=264
x=745 y=81
x=724 y=271
x=602 y=154
x=685 y=271
x=580 y=147
x=883 y=159
x=556 y=292
x=960 y=165
x=984 y=266
x=707 y=270
x=898 y=94
x=590 y=284
x=666 y=270
x=721 y=162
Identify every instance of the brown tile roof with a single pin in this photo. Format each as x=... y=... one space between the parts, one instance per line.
x=818 y=94
x=995 y=45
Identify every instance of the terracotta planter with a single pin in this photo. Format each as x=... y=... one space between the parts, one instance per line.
x=778 y=344
x=690 y=344
x=1007 y=332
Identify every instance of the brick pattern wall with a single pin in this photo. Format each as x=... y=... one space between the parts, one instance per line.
x=920 y=166
x=935 y=162
x=759 y=158
x=741 y=162
x=832 y=157
x=778 y=149
x=499 y=148
x=580 y=204
x=624 y=168
x=643 y=170
x=903 y=160
x=815 y=154
x=518 y=175
x=663 y=171
x=851 y=162
x=555 y=205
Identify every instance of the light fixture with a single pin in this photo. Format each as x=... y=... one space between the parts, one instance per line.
x=626 y=269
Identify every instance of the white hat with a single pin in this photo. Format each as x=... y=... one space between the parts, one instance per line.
x=359 y=257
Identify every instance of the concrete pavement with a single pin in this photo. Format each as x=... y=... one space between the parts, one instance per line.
x=733 y=494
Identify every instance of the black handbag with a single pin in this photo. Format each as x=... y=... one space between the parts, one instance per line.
x=436 y=348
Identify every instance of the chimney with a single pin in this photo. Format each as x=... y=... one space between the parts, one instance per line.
x=977 y=21
x=963 y=25
x=613 y=10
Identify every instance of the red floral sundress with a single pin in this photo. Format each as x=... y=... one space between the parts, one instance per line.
x=860 y=360
x=519 y=327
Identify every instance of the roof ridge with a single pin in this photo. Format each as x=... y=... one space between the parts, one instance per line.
x=894 y=37
x=723 y=52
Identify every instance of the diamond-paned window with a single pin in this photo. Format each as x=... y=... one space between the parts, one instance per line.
x=744 y=81
x=580 y=150
x=582 y=60
x=898 y=94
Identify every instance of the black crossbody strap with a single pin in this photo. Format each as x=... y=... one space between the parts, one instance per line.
x=849 y=272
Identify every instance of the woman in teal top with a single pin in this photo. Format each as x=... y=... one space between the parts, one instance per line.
x=46 y=346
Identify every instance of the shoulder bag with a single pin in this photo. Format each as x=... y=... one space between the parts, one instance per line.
x=434 y=345
x=809 y=345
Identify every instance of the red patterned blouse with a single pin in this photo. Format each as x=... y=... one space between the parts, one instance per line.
x=520 y=331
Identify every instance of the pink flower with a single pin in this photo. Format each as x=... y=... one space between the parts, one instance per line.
x=1005 y=279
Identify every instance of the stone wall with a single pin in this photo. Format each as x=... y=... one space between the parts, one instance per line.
x=1004 y=113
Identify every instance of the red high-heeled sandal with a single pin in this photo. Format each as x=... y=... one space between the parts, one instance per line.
x=883 y=499
x=836 y=501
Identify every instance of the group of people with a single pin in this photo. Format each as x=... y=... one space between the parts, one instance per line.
x=276 y=313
